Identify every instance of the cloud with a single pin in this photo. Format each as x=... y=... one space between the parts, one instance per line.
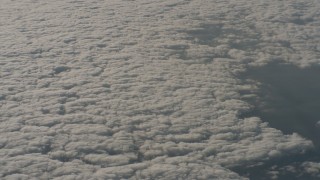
x=302 y=170
x=312 y=168
x=143 y=89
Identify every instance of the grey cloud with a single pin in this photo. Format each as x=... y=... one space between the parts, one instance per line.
x=142 y=89
x=312 y=168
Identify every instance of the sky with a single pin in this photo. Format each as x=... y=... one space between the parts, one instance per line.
x=145 y=89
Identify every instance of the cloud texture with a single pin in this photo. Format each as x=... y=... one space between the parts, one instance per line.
x=106 y=89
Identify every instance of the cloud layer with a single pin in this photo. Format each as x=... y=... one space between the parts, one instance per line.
x=106 y=89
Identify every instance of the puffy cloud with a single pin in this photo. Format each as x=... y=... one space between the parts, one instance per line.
x=312 y=168
x=143 y=89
